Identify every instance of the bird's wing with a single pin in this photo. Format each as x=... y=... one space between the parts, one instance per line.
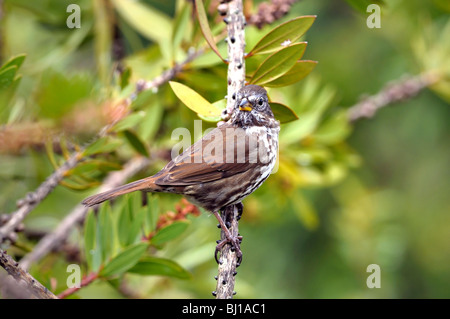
x=223 y=152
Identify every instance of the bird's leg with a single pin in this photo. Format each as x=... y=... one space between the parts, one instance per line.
x=234 y=241
x=240 y=208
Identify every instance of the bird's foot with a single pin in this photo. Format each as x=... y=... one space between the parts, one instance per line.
x=234 y=241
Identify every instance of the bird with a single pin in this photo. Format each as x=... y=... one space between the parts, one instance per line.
x=223 y=167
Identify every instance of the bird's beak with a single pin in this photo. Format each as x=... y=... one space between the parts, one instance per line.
x=245 y=105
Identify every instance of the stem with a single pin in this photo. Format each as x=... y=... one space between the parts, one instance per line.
x=84 y=282
x=228 y=260
x=236 y=80
x=22 y=276
x=397 y=91
x=236 y=49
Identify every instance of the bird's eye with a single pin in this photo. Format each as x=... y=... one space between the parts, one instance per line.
x=260 y=101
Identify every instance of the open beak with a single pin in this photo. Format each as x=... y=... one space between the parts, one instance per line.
x=245 y=105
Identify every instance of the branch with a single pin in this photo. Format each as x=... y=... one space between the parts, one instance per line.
x=236 y=80
x=21 y=276
x=59 y=235
x=27 y=204
x=167 y=75
x=394 y=92
x=228 y=260
x=236 y=48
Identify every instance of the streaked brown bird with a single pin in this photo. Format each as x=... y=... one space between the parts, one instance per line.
x=225 y=166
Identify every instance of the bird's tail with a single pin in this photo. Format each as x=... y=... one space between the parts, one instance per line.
x=145 y=184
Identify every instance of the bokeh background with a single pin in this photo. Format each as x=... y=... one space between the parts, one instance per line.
x=345 y=195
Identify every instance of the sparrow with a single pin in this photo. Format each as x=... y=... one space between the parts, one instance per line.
x=223 y=167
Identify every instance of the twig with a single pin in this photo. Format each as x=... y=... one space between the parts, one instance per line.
x=84 y=282
x=236 y=79
x=228 y=260
x=394 y=92
x=168 y=74
x=59 y=235
x=31 y=200
x=22 y=276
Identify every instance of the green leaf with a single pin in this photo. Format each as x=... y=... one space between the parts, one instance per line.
x=149 y=22
x=299 y=71
x=102 y=145
x=150 y=125
x=151 y=214
x=180 y=26
x=103 y=40
x=50 y=153
x=144 y=98
x=7 y=76
x=125 y=78
x=106 y=231
x=137 y=225
x=149 y=266
x=98 y=250
x=129 y=121
x=92 y=243
x=124 y=223
x=193 y=100
x=283 y=113
x=94 y=165
x=170 y=232
x=305 y=211
x=204 y=26
x=289 y=31
x=278 y=63
x=135 y=142
x=209 y=58
x=124 y=260
x=443 y=4
x=333 y=130
x=89 y=237
x=220 y=105
x=309 y=117
x=77 y=184
x=14 y=61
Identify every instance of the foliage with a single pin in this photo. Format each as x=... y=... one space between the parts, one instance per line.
x=64 y=90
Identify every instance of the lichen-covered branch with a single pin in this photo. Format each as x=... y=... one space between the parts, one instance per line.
x=397 y=91
x=228 y=259
x=236 y=78
x=24 y=278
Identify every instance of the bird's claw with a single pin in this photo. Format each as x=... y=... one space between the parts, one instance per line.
x=235 y=242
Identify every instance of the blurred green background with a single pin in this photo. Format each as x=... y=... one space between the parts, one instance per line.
x=375 y=192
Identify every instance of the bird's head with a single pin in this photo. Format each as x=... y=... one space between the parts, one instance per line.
x=252 y=107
